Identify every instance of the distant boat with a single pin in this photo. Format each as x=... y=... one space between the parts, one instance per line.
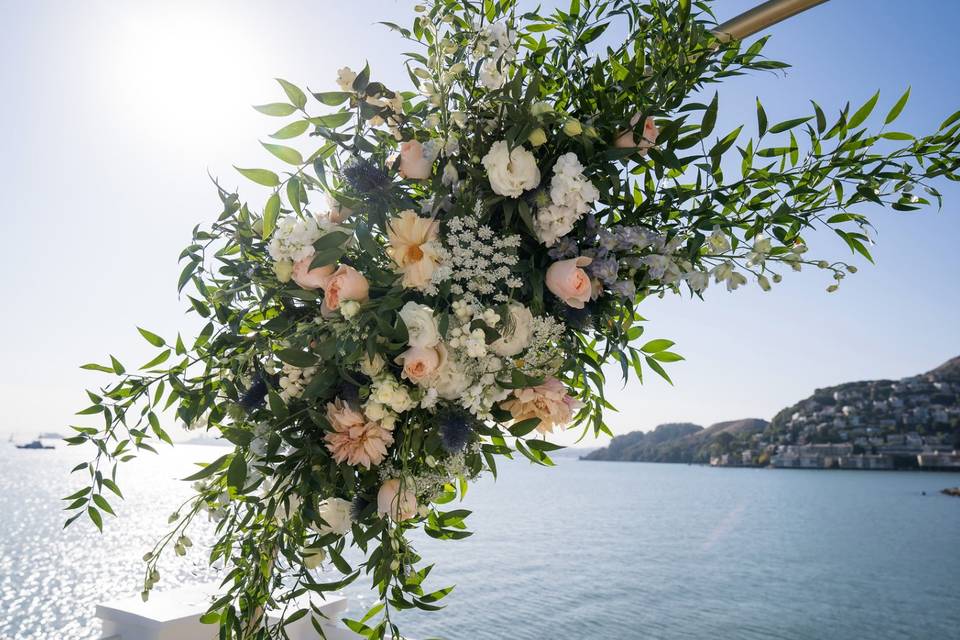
x=36 y=444
x=50 y=435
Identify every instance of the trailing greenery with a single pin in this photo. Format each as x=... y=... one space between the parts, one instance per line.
x=437 y=275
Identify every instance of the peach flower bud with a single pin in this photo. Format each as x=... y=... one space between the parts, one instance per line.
x=413 y=165
x=346 y=283
x=650 y=132
x=337 y=213
x=394 y=503
x=569 y=282
x=308 y=278
x=420 y=363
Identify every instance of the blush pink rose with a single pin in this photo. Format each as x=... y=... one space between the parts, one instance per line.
x=549 y=402
x=391 y=501
x=346 y=283
x=569 y=282
x=308 y=278
x=421 y=363
x=413 y=164
x=336 y=212
x=650 y=132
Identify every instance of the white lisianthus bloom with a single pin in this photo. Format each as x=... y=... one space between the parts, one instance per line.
x=511 y=172
x=293 y=238
x=718 y=241
x=697 y=280
x=517 y=333
x=450 y=176
x=421 y=325
x=553 y=222
x=345 y=78
x=491 y=77
x=450 y=381
x=335 y=512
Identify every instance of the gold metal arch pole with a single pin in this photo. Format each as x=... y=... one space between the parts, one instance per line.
x=761 y=17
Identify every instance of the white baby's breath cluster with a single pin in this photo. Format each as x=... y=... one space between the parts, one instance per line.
x=571 y=196
x=544 y=356
x=430 y=485
x=480 y=261
x=293 y=380
x=467 y=345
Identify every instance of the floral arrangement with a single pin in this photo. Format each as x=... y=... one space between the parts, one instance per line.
x=439 y=278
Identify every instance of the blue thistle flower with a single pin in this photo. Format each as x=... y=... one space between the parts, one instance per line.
x=456 y=427
x=358 y=505
x=255 y=396
x=364 y=176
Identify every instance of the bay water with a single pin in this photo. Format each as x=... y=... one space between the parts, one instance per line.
x=583 y=550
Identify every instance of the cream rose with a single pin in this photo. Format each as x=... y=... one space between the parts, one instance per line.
x=450 y=380
x=391 y=501
x=421 y=363
x=549 y=402
x=511 y=172
x=566 y=280
x=308 y=278
x=335 y=513
x=346 y=283
x=422 y=328
x=414 y=165
x=412 y=247
x=517 y=333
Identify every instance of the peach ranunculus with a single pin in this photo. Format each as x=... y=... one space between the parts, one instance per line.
x=569 y=282
x=413 y=247
x=548 y=401
x=308 y=278
x=414 y=165
x=346 y=283
x=355 y=439
x=391 y=501
x=421 y=364
x=626 y=140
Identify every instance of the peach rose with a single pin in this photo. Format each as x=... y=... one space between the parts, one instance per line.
x=548 y=401
x=413 y=247
x=420 y=364
x=650 y=132
x=355 y=439
x=413 y=164
x=391 y=501
x=569 y=282
x=346 y=283
x=308 y=278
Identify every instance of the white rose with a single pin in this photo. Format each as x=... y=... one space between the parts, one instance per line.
x=519 y=330
x=349 y=308
x=450 y=381
x=371 y=367
x=335 y=512
x=422 y=328
x=511 y=172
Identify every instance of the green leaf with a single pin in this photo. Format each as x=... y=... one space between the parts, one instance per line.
x=788 y=124
x=287 y=154
x=761 y=119
x=332 y=120
x=151 y=337
x=656 y=345
x=331 y=240
x=898 y=107
x=260 y=176
x=297 y=358
x=95 y=517
x=160 y=359
x=863 y=112
x=101 y=502
x=270 y=213
x=667 y=356
x=293 y=92
x=710 y=116
x=110 y=484
x=93 y=366
x=237 y=472
x=276 y=109
x=332 y=98
x=292 y=130
x=522 y=428
x=117 y=367
x=208 y=470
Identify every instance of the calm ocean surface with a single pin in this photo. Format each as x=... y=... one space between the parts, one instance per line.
x=586 y=550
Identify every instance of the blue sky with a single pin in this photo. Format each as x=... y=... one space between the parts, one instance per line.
x=112 y=114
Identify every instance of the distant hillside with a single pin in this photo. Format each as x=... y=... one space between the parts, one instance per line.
x=678 y=442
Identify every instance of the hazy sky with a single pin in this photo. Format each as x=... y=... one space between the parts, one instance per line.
x=113 y=113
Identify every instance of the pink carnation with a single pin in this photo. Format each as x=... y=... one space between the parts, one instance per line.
x=548 y=401
x=355 y=439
